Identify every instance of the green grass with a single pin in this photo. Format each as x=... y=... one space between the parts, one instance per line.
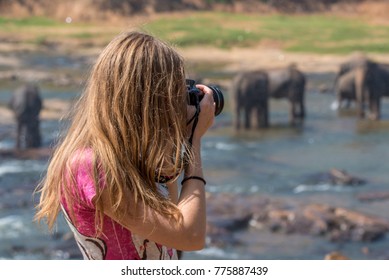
x=211 y=29
x=303 y=33
x=25 y=22
x=40 y=30
x=83 y=35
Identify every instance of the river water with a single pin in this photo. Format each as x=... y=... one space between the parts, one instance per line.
x=275 y=161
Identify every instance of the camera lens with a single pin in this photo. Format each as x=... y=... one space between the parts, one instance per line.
x=195 y=95
x=218 y=98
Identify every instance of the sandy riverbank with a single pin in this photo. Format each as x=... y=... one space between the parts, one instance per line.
x=237 y=59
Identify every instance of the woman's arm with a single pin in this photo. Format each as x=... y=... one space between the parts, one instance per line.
x=185 y=234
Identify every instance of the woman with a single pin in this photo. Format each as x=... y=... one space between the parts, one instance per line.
x=114 y=175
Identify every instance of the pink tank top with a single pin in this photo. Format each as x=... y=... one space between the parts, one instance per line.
x=116 y=242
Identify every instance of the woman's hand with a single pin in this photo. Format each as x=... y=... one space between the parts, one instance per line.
x=206 y=116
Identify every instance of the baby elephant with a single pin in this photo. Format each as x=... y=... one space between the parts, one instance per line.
x=250 y=92
x=345 y=89
x=26 y=104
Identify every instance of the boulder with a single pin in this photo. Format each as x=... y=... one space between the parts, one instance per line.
x=229 y=213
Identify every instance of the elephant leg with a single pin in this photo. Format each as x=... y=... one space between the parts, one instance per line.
x=18 y=135
x=29 y=136
x=265 y=114
x=292 y=112
x=340 y=100
x=361 y=107
x=23 y=135
x=361 y=91
x=261 y=117
x=33 y=139
x=378 y=108
x=374 y=107
x=237 y=117
x=302 y=110
x=247 y=118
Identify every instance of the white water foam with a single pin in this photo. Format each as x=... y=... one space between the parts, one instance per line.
x=6 y=145
x=20 y=167
x=225 y=146
x=319 y=188
x=13 y=227
x=218 y=253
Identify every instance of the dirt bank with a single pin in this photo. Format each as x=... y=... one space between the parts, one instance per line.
x=238 y=59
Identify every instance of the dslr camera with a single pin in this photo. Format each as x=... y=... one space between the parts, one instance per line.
x=195 y=95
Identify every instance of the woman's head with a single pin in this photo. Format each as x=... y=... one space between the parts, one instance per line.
x=132 y=115
x=137 y=95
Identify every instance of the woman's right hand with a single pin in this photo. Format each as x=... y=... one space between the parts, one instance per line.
x=207 y=113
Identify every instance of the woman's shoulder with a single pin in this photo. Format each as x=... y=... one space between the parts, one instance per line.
x=82 y=164
x=82 y=168
x=82 y=159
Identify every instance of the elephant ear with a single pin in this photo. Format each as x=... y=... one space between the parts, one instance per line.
x=18 y=102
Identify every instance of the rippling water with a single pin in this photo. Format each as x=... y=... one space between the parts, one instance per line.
x=276 y=161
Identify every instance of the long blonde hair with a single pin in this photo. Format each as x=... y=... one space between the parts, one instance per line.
x=132 y=109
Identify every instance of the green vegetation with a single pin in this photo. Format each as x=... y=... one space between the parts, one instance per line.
x=302 y=33
x=25 y=22
x=40 y=31
x=221 y=30
x=83 y=35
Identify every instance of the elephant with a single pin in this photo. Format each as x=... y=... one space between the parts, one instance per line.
x=370 y=81
x=344 y=84
x=26 y=104
x=357 y=60
x=345 y=80
x=253 y=89
x=345 y=88
x=250 y=92
x=289 y=82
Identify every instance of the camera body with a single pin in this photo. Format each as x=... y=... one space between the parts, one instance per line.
x=195 y=95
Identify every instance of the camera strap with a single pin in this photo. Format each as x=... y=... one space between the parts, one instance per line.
x=195 y=120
